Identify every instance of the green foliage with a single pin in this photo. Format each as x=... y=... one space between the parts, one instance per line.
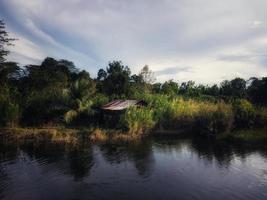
x=70 y=116
x=261 y=116
x=235 y=88
x=137 y=120
x=9 y=109
x=116 y=78
x=80 y=101
x=245 y=113
x=99 y=100
x=214 y=118
x=57 y=92
x=47 y=106
x=257 y=91
x=197 y=116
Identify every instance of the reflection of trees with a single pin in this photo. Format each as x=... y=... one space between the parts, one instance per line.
x=168 y=145
x=210 y=150
x=81 y=160
x=3 y=180
x=139 y=153
x=143 y=158
x=75 y=160
x=8 y=153
x=48 y=151
x=224 y=152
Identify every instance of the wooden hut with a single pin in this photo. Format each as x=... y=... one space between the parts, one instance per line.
x=111 y=111
x=118 y=105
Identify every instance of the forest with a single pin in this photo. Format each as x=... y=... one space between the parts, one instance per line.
x=58 y=93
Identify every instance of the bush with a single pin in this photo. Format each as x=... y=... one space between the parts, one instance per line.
x=177 y=113
x=245 y=114
x=46 y=106
x=261 y=117
x=197 y=116
x=214 y=118
x=9 y=109
x=137 y=120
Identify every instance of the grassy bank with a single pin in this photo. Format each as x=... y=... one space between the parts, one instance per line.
x=73 y=136
x=165 y=115
x=248 y=136
x=66 y=135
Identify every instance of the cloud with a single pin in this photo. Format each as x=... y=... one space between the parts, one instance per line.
x=256 y=24
x=216 y=40
x=25 y=51
x=172 y=71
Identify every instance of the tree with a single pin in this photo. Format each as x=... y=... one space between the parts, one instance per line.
x=188 y=88
x=170 y=87
x=147 y=76
x=5 y=40
x=81 y=92
x=235 y=88
x=9 y=72
x=101 y=75
x=116 y=78
x=257 y=90
x=238 y=86
x=7 y=69
x=156 y=87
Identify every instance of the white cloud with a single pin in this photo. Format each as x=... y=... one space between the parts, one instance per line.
x=25 y=51
x=216 y=39
x=256 y=24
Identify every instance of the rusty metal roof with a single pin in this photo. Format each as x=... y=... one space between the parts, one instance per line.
x=119 y=104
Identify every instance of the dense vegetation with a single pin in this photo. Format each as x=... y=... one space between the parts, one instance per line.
x=56 y=92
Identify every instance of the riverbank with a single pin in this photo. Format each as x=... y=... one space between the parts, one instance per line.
x=97 y=135
x=66 y=135
x=248 y=136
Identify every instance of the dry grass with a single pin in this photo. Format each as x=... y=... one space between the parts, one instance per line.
x=40 y=134
x=112 y=136
x=63 y=135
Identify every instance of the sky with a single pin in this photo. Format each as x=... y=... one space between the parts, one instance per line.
x=202 y=40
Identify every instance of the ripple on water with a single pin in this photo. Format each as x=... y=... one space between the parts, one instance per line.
x=174 y=169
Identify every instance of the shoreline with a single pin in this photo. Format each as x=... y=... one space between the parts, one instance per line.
x=97 y=135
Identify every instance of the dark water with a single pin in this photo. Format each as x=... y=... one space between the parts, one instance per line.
x=152 y=169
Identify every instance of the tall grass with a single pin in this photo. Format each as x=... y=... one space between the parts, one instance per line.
x=168 y=113
x=198 y=116
x=137 y=120
x=245 y=114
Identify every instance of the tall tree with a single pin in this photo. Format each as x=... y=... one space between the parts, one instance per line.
x=5 y=40
x=235 y=88
x=257 y=90
x=147 y=75
x=116 y=78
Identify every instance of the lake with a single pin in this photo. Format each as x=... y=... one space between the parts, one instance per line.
x=151 y=169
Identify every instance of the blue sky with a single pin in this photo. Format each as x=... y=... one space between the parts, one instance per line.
x=202 y=40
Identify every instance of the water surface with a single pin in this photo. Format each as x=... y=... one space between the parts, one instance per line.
x=151 y=169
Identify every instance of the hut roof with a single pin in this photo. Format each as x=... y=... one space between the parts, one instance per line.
x=120 y=104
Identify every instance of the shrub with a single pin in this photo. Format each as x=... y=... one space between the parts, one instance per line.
x=261 y=117
x=179 y=114
x=198 y=116
x=245 y=113
x=137 y=120
x=214 y=118
x=9 y=109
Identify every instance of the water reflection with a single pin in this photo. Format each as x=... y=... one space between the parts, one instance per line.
x=74 y=160
x=139 y=153
x=152 y=168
